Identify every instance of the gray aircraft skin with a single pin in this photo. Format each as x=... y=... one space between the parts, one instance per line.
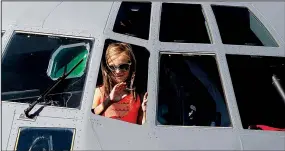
x=95 y=21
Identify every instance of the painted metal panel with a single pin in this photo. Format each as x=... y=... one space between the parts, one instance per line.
x=26 y=13
x=91 y=16
x=6 y=124
x=197 y=138
x=120 y=135
x=262 y=140
x=273 y=16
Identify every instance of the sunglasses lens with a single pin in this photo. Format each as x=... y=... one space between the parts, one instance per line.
x=112 y=68
x=124 y=66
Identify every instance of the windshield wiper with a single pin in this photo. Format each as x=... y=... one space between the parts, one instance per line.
x=62 y=78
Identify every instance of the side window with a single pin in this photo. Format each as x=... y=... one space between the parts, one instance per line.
x=184 y=23
x=190 y=92
x=122 y=63
x=133 y=19
x=259 y=85
x=27 y=70
x=32 y=138
x=239 y=26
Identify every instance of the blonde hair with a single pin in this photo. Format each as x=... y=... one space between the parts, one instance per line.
x=117 y=49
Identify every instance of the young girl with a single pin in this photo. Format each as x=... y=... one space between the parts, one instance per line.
x=117 y=97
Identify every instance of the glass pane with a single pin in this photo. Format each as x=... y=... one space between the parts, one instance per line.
x=190 y=92
x=259 y=101
x=24 y=71
x=184 y=23
x=38 y=139
x=65 y=58
x=239 y=26
x=133 y=19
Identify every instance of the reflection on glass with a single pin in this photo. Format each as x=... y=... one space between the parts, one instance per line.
x=24 y=70
x=133 y=19
x=48 y=139
x=259 y=83
x=190 y=92
x=239 y=26
x=183 y=23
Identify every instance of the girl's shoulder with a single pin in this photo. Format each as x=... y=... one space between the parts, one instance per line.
x=100 y=87
x=100 y=90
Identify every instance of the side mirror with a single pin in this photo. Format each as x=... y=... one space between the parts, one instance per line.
x=65 y=58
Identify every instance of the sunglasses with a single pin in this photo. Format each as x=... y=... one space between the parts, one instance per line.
x=122 y=67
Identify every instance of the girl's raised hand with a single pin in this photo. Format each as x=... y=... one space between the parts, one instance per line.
x=118 y=91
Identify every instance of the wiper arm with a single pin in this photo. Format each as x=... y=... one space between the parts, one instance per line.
x=62 y=78
x=278 y=87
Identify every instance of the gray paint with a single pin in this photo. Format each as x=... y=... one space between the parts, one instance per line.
x=265 y=141
x=6 y=125
x=95 y=20
x=272 y=11
x=29 y=13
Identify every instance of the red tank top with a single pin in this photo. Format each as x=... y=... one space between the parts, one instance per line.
x=125 y=109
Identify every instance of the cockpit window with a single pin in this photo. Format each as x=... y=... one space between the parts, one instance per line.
x=123 y=66
x=183 y=23
x=239 y=26
x=190 y=92
x=35 y=139
x=259 y=85
x=133 y=19
x=25 y=76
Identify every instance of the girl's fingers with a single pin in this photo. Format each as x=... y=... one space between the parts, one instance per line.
x=120 y=87
x=145 y=96
x=145 y=101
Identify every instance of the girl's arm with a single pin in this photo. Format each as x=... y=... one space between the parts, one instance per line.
x=115 y=96
x=141 y=116
x=142 y=111
x=98 y=107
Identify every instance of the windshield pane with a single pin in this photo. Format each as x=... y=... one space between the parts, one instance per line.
x=183 y=23
x=133 y=19
x=239 y=26
x=190 y=92
x=24 y=71
x=255 y=80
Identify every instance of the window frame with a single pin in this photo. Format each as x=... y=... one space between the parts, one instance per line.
x=95 y=117
x=2 y=33
x=53 y=111
x=231 y=126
